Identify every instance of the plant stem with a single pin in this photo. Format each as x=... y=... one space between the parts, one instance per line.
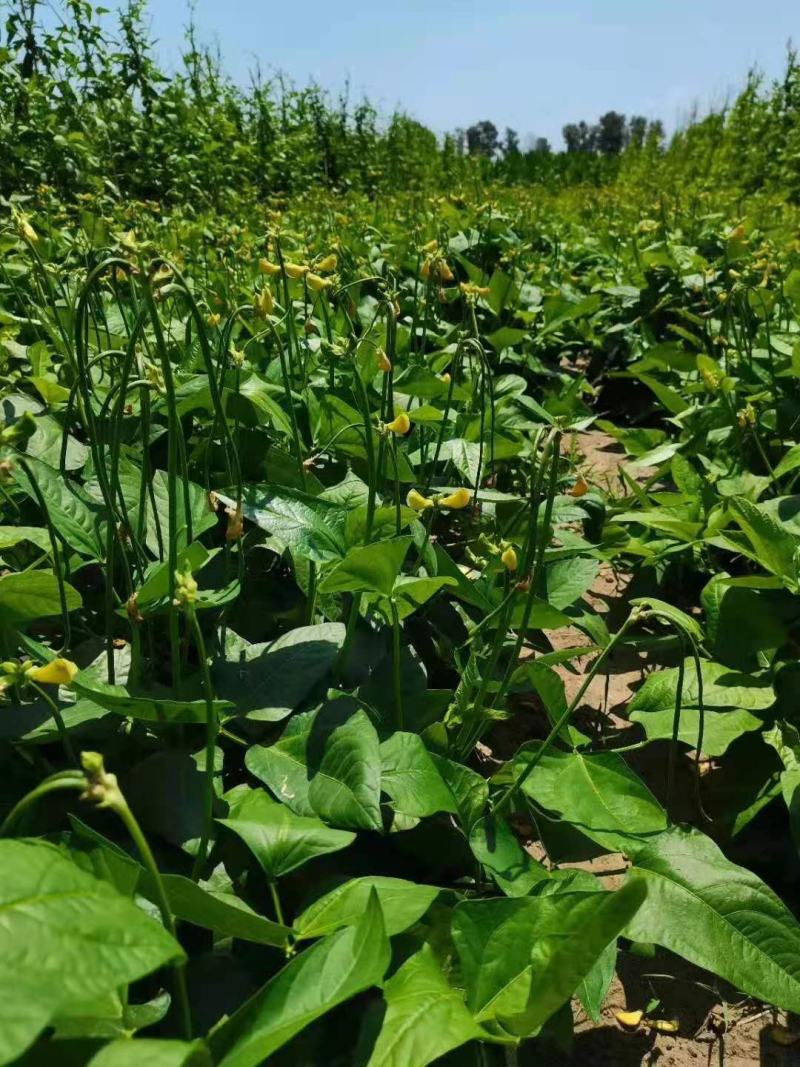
x=162 y=900
x=398 y=692
x=517 y=784
x=211 y=739
x=69 y=751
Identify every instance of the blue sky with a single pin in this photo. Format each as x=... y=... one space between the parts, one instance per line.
x=530 y=65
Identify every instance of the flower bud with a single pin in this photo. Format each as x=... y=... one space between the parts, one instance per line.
x=57 y=672
x=509 y=559
x=417 y=502
x=456 y=500
x=400 y=425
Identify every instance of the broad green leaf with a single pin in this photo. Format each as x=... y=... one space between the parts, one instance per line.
x=369 y=568
x=470 y=790
x=65 y=938
x=150 y=709
x=325 y=975
x=77 y=521
x=425 y=1016
x=224 y=913
x=32 y=595
x=720 y=727
x=344 y=767
x=306 y=524
x=522 y=959
x=410 y=592
x=402 y=903
x=568 y=579
x=282 y=765
x=598 y=794
x=409 y=776
x=14 y=535
x=718 y=916
x=153 y=1052
x=279 y=839
x=267 y=682
x=722 y=688
x=773 y=546
x=497 y=847
x=785 y=739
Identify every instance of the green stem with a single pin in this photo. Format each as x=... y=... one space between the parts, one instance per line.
x=66 y=780
x=398 y=693
x=162 y=900
x=69 y=751
x=562 y=721
x=211 y=738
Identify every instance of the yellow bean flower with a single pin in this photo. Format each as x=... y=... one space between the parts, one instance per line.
x=57 y=672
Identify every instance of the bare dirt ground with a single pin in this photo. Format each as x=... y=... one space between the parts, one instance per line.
x=716 y=1029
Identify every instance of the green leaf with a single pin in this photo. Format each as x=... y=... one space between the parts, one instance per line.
x=308 y=525
x=66 y=938
x=720 y=727
x=412 y=592
x=402 y=903
x=722 y=688
x=279 y=839
x=282 y=765
x=410 y=778
x=10 y=536
x=568 y=579
x=224 y=913
x=153 y=1052
x=77 y=521
x=149 y=709
x=773 y=546
x=718 y=916
x=370 y=568
x=32 y=595
x=425 y=1016
x=325 y=975
x=497 y=847
x=522 y=959
x=267 y=682
x=679 y=618
x=344 y=767
x=598 y=794
x=785 y=739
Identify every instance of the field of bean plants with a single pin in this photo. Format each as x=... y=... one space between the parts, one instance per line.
x=399 y=584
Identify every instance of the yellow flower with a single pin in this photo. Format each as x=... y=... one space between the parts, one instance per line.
x=509 y=559
x=264 y=303
x=384 y=363
x=26 y=230
x=400 y=425
x=327 y=264
x=456 y=500
x=56 y=672
x=417 y=502
x=213 y=319
x=445 y=377
x=630 y=1019
x=431 y=246
x=473 y=291
x=665 y=1026
x=266 y=267
x=315 y=282
x=295 y=270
